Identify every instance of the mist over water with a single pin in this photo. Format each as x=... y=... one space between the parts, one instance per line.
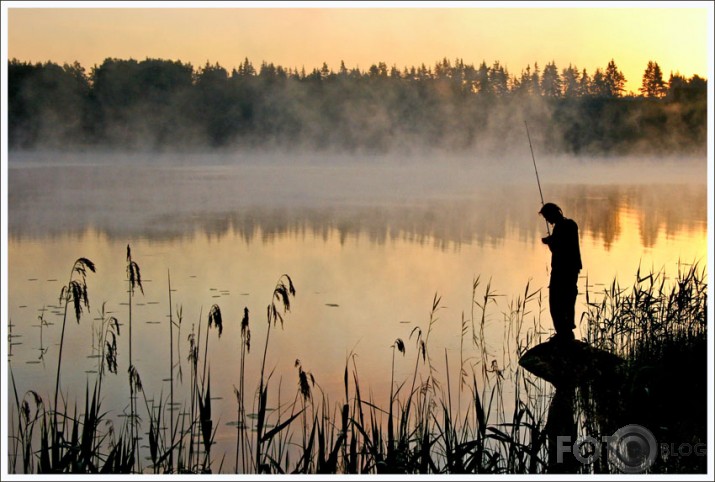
x=452 y=198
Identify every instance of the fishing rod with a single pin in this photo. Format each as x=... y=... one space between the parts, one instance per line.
x=537 y=174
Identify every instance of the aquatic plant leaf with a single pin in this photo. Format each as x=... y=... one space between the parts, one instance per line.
x=271 y=433
x=206 y=411
x=25 y=410
x=481 y=417
x=153 y=443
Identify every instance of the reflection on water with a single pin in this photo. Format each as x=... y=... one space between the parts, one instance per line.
x=561 y=423
x=366 y=268
x=173 y=203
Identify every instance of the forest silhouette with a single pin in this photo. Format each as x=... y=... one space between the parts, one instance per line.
x=157 y=104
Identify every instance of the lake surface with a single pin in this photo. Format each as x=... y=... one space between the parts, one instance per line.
x=369 y=243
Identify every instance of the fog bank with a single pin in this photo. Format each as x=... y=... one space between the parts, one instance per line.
x=453 y=199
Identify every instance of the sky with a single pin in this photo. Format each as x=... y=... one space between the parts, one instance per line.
x=676 y=35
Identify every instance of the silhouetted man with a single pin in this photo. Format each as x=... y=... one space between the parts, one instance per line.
x=565 y=266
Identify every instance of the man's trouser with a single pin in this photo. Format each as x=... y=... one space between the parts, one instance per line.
x=562 y=300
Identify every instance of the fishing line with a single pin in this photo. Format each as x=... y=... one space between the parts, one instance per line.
x=537 y=174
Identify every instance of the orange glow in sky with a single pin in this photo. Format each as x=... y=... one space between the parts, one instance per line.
x=585 y=34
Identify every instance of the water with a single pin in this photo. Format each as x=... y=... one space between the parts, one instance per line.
x=368 y=243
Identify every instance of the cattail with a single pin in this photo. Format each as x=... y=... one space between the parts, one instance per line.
x=245 y=332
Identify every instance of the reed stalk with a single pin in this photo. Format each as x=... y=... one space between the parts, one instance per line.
x=133 y=280
x=282 y=292
x=241 y=415
x=171 y=377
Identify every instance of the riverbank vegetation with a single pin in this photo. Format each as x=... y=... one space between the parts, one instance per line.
x=478 y=414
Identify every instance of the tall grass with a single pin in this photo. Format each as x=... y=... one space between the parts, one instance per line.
x=204 y=394
x=72 y=442
x=640 y=321
x=282 y=293
x=658 y=325
x=75 y=292
x=172 y=427
x=503 y=422
x=133 y=280
x=241 y=439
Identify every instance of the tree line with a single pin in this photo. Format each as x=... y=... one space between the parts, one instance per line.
x=165 y=104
